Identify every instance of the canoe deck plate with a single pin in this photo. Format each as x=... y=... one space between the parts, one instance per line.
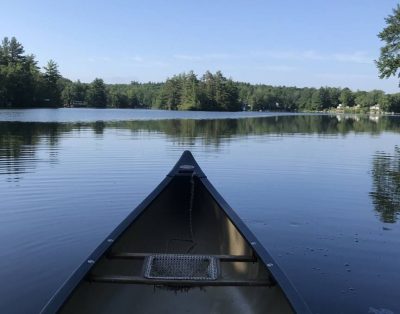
x=181 y=267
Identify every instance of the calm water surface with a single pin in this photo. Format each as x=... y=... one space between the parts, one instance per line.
x=321 y=192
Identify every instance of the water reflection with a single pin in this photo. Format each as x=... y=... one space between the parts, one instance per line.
x=98 y=127
x=20 y=140
x=386 y=185
x=302 y=183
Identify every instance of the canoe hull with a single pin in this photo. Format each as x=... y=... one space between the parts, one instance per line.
x=184 y=215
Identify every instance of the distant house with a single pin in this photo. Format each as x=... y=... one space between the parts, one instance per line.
x=75 y=104
x=376 y=107
x=78 y=103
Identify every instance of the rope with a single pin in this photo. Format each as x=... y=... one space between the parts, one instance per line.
x=191 y=237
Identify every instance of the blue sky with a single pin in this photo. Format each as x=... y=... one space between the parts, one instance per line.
x=287 y=42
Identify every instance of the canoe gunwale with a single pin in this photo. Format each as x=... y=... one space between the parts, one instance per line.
x=292 y=295
x=65 y=291
x=61 y=295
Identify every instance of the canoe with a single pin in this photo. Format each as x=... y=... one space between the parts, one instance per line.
x=182 y=250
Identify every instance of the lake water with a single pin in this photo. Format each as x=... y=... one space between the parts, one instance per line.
x=321 y=192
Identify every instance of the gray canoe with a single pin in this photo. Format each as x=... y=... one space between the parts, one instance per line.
x=182 y=250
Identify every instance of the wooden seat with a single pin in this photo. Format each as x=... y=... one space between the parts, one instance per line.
x=221 y=258
x=181 y=283
x=118 y=279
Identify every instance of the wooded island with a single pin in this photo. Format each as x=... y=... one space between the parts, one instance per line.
x=24 y=85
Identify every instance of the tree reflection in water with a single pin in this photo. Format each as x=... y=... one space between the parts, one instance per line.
x=19 y=141
x=386 y=185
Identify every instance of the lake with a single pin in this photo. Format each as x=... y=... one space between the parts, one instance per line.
x=321 y=192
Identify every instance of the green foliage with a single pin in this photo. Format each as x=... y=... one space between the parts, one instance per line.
x=118 y=100
x=361 y=98
x=18 y=75
x=374 y=97
x=392 y=103
x=16 y=51
x=52 y=90
x=190 y=97
x=96 y=95
x=389 y=59
x=170 y=96
x=73 y=93
x=211 y=92
x=346 y=97
x=22 y=84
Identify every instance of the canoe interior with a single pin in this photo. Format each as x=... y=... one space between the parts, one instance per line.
x=164 y=227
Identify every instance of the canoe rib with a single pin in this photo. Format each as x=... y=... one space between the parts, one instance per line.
x=221 y=258
x=186 y=283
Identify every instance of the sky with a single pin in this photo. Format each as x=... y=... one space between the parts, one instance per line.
x=309 y=43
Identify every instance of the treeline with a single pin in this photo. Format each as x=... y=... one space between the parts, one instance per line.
x=181 y=92
x=24 y=84
x=264 y=97
x=211 y=92
x=98 y=94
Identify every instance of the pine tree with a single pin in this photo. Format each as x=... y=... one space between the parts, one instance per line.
x=16 y=51
x=52 y=92
x=190 y=92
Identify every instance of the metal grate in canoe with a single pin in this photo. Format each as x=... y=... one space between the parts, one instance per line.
x=181 y=267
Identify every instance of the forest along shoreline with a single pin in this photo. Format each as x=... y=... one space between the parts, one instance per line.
x=23 y=84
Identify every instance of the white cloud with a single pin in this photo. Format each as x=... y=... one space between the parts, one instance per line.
x=355 y=57
x=129 y=62
x=310 y=55
x=135 y=59
x=278 y=68
x=203 y=57
x=99 y=59
x=188 y=57
x=352 y=57
x=346 y=76
x=151 y=64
